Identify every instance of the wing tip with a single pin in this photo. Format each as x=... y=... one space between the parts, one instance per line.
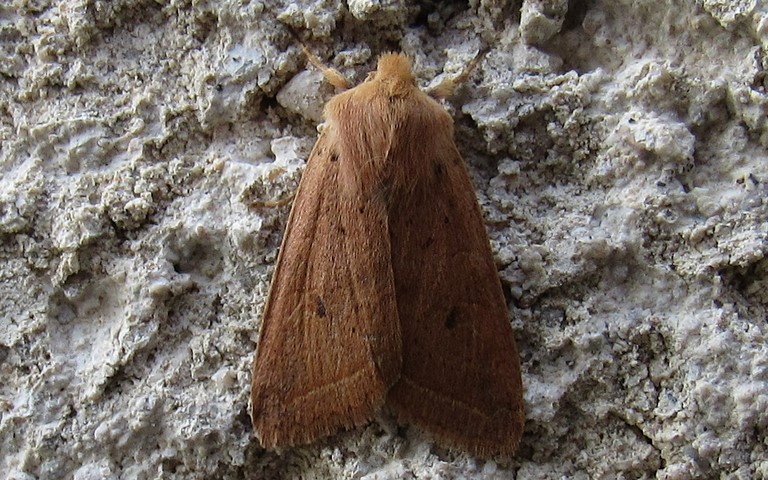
x=279 y=422
x=482 y=432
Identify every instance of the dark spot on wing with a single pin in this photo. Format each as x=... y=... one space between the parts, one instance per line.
x=320 y=307
x=451 y=319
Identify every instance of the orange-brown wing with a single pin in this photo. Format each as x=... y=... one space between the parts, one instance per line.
x=460 y=377
x=330 y=343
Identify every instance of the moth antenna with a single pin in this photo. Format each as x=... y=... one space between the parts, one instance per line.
x=448 y=85
x=332 y=76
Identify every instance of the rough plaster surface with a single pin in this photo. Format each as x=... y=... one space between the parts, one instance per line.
x=149 y=148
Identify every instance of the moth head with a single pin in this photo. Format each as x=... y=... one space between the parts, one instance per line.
x=394 y=68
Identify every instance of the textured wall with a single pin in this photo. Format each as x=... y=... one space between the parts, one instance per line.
x=618 y=149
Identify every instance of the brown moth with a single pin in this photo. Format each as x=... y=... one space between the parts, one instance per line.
x=385 y=291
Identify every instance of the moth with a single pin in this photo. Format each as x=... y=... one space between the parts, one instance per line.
x=385 y=293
